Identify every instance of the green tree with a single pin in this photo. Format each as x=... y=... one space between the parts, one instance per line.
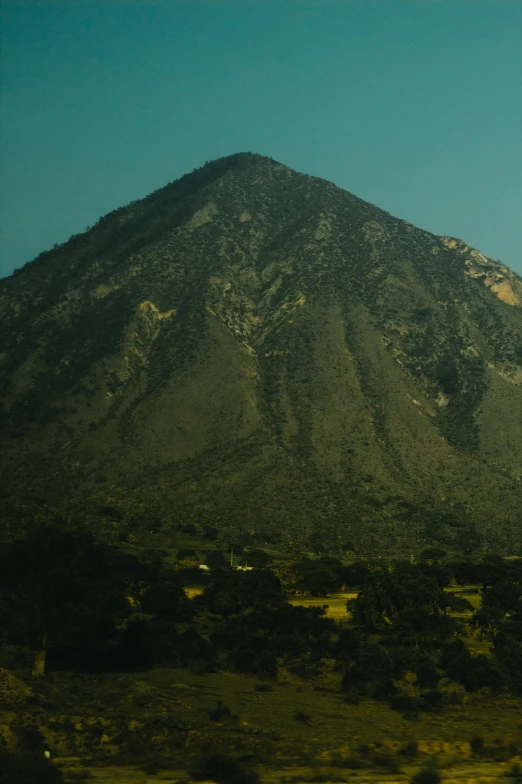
x=185 y=552
x=255 y=558
x=422 y=629
x=354 y=575
x=27 y=769
x=317 y=576
x=216 y=560
x=59 y=585
x=232 y=592
x=387 y=594
x=432 y=554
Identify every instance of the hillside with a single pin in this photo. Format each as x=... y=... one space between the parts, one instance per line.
x=257 y=350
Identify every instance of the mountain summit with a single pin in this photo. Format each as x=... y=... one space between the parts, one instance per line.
x=254 y=349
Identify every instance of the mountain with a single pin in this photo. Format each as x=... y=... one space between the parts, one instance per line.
x=253 y=349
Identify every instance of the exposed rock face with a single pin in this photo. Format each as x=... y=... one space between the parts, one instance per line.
x=502 y=282
x=254 y=348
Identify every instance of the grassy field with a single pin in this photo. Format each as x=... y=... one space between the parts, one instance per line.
x=336 y=604
x=269 y=720
x=452 y=773
x=263 y=725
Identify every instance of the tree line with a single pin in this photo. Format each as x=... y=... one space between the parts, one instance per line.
x=81 y=604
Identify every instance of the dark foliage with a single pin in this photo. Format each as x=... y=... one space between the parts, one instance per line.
x=255 y=558
x=58 y=585
x=385 y=595
x=232 y=592
x=27 y=769
x=473 y=672
x=429 y=774
x=223 y=769
x=216 y=560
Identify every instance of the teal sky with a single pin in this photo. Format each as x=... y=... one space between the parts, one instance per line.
x=414 y=105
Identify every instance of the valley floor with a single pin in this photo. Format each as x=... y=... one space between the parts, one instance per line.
x=463 y=773
x=143 y=727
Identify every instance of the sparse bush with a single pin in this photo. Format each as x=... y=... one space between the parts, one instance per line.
x=221 y=711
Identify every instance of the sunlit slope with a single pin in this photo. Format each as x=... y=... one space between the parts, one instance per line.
x=258 y=349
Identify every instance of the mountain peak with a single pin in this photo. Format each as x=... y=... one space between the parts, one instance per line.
x=255 y=349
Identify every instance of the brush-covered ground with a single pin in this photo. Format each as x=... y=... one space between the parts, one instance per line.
x=157 y=725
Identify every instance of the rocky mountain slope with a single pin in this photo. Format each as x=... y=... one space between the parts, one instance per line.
x=254 y=349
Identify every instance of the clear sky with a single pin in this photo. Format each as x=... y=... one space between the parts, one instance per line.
x=414 y=105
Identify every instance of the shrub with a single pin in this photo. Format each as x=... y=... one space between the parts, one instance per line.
x=187 y=553
x=263 y=687
x=223 y=769
x=427 y=676
x=431 y=699
x=255 y=558
x=220 y=712
x=352 y=680
x=352 y=762
x=384 y=689
x=151 y=766
x=385 y=760
x=23 y=768
x=404 y=703
x=216 y=560
x=428 y=774
x=410 y=749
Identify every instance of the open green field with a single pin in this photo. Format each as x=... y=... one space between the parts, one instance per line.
x=336 y=604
